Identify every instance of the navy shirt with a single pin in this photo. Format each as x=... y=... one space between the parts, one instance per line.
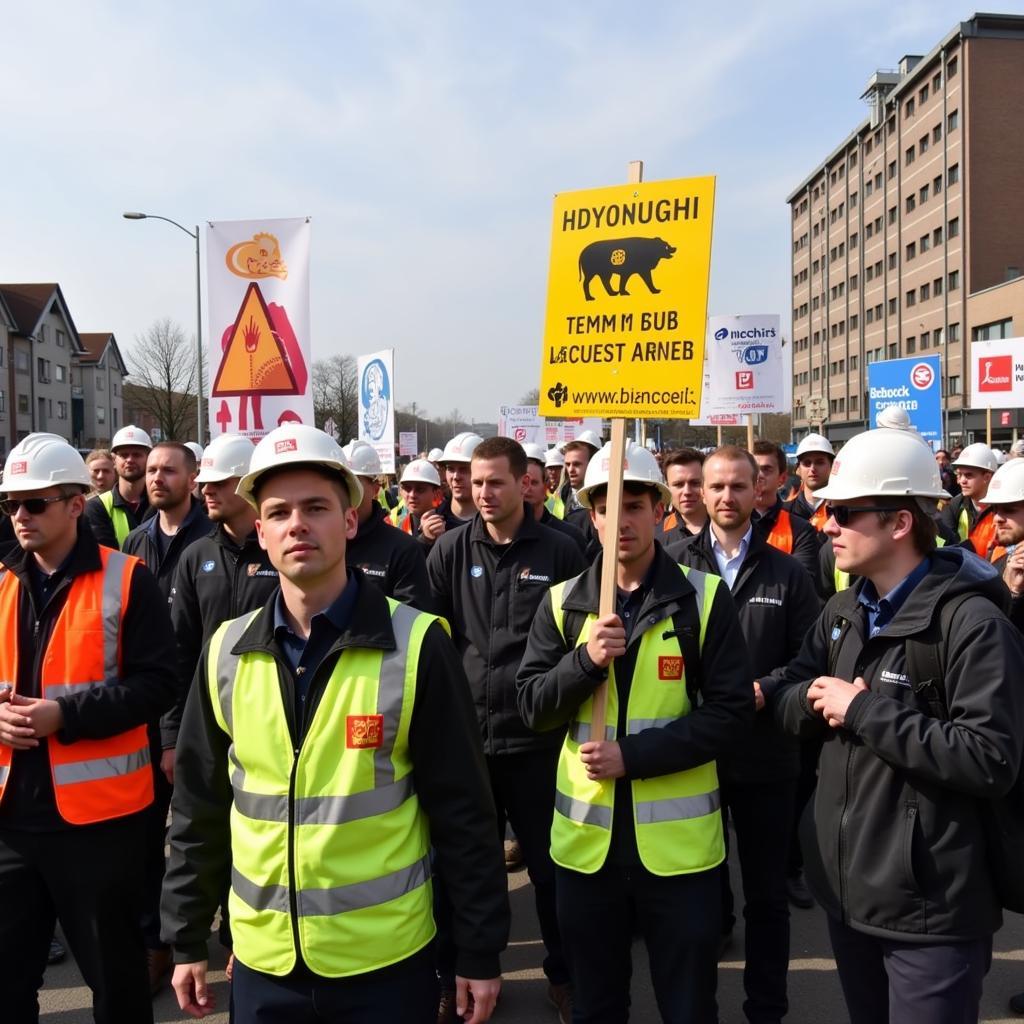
x=882 y=610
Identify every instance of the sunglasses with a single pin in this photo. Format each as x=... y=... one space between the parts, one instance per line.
x=842 y=514
x=33 y=506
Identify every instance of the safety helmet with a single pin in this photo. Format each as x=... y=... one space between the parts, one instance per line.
x=420 y=471
x=44 y=460
x=883 y=462
x=1007 y=484
x=196 y=449
x=435 y=455
x=814 y=443
x=297 y=444
x=534 y=451
x=639 y=466
x=1000 y=455
x=1017 y=449
x=894 y=417
x=978 y=456
x=130 y=435
x=226 y=456
x=363 y=458
x=461 y=447
x=587 y=437
x=554 y=457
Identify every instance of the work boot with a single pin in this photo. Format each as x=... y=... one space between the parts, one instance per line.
x=798 y=893
x=560 y=997
x=513 y=855
x=57 y=952
x=158 y=964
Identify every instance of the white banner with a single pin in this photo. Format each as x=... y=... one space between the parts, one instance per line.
x=259 y=344
x=997 y=374
x=523 y=424
x=376 y=375
x=744 y=369
x=408 y=443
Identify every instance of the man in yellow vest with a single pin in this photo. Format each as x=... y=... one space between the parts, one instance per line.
x=115 y=513
x=86 y=660
x=328 y=743
x=637 y=831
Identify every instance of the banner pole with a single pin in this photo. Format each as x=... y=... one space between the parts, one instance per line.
x=988 y=426
x=750 y=432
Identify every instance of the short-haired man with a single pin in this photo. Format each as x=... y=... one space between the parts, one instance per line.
x=328 y=742
x=115 y=513
x=683 y=468
x=1006 y=499
x=814 y=458
x=777 y=606
x=895 y=846
x=101 y=469
x=536 y=498
x=967 y=515
x=945 y=465
x=420 y=488
x=637 y=832
x=577 y=455
x=457 y=507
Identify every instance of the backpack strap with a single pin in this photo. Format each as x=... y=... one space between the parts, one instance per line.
x=926 y=658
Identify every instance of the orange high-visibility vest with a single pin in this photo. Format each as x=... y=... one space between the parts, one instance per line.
x=983 y=536
x=997 y=552
x=93 y=780
x=820 y=517
x=781 y=536
x=669 y=523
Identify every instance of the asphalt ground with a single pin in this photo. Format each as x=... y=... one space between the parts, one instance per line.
x=814 y=993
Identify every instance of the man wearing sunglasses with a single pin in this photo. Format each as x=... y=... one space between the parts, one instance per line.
x=894 y=844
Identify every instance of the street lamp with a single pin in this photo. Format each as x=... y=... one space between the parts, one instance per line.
x=194 y=235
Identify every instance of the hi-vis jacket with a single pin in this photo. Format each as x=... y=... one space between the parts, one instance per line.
x=668 y=745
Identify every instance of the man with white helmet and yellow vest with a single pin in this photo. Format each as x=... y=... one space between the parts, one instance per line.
x=637 y=832
x=554 y=467
x=86 y=660
x=114 y=514
x=327 y=744
x=967 y=514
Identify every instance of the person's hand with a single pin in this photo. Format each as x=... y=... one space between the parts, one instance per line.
x=607 y=640
x=831 y=697
x=189 y=984
x=475 y=998
x=167 y=764
x=16 y=728
x=44 y=716
x=1013 y=574
x=603 y=759
x=758 y=696
x=432 y=525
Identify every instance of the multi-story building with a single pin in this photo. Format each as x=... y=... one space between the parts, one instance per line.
x=97 y=396
x=909 y=237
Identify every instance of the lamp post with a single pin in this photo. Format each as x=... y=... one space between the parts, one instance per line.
x=194 y=235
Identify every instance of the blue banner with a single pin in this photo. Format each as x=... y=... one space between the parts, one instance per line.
x=912 y=384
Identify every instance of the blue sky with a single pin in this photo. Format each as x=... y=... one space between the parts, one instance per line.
x=426 y=142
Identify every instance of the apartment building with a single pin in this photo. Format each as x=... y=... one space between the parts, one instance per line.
x=908 y=238
x=97 y=383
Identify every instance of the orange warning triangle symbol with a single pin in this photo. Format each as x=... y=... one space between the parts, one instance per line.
x=254 y=362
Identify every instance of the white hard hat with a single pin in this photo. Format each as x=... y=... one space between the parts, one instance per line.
x=534 y=451
x=554 y=457
x=226 y=456
x=298 y=444
x=883 y=462
x=1007 y=484
x=435 y=455
x=814 y=443
x=420 y=471
x=130 y=435
x=44 y=460
x=587 y=437
x=978 y=456
x=1000 y=455
x=638 y=466
x=363 y=458
x=196 y=449
x=1017 y=449
x=461 y=447
x=895 y=417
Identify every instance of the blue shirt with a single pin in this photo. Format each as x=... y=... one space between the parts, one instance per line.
x=882 y=610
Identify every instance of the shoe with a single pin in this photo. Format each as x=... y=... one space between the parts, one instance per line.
x=446 y=1007
x=57 y=952
x=1017 y=1003
x=799 y=895
x=724 y=944
x=513 y=855
x=560 y=997
x=158 y=963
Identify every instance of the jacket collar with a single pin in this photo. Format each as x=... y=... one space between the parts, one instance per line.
x=528 y=529
x=196 y=511
x=119 y=502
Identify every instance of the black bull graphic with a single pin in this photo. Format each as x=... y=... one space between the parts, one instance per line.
x=625 y=257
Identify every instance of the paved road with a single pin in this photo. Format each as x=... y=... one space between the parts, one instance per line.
x=813 y=986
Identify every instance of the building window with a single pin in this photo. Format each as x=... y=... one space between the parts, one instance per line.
x=911 y=345
x=922 y=145
x=937 y=185
x=926 y=292
x=911 y=297
x=60 y=373
x=22 y=362
x=954 y=280
x=868 y=188
x=60 y=339
x=953 y=175
x=954 y=333
x=894 y=350
x=43 y=370
x=937 y=236
x=101 y=414
x=853 y=322
x=892 y=214
x=878 y=178
x=911 y=251
x=911 y=204
x=925 y=243
x=922 y=196
x=953 y=229
x=869 y=316
x=953 y=121
x=908 y=157
x=923 y=94
x=993 y=331
x=853 y=240
x=892 y=170
x=44 y=333
x=62 y=410
x=99 y=381
x=937 y=133
x=853 y=362
x=937 y=286
x=952 y=66
x=892 y=261
x=893 y=306
x=937 y=81
x=23 y=403
x=953 y=385
x=869 y=230
x=908 y=107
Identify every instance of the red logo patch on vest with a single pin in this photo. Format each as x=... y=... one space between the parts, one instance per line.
x=364 y=731
x=670 y=667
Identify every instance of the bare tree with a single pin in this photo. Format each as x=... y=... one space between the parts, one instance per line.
x=336 y=395
x=163 y=367
x=532 y=397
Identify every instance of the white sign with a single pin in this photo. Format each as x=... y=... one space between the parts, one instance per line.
x=408 y=443
x=524 y=424
x=331 y=428
x=997 y=374
x=259 y=345
x=376 y=375
x=744 y=368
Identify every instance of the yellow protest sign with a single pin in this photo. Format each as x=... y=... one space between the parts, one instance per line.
x=627 y=300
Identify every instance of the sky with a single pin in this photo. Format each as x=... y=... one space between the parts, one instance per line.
x=426 y=143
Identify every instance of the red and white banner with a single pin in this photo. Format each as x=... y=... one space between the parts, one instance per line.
x=997 y=374
x=259 y=343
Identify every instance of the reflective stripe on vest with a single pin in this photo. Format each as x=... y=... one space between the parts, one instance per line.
x=963 y=523
x=118 y=517
x=342 y=814
x=93 y=780
x=676 y=817
x=555 y=506
x=781 y=536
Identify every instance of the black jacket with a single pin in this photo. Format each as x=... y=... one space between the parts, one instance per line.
x=451 y=784
x=489 y=593
x=142 y=692
x=215 y=580
x=391 y=559
x=579 y=518
x=142 y=542
x=893 y=842
x=561 y=526
x=805 y=537
x=777 y=605
x=100 y=523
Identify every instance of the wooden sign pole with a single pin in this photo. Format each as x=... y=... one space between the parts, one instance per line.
x=988 y=426
x=750 y=432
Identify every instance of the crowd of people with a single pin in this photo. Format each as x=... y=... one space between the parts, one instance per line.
x=350 y=708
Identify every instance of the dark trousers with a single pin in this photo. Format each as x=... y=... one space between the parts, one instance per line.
x=404 y=993
x=901 y=981
x=679 y=917
x=89 y=878
x=810 y=752
x=761 y=816
x=154 y=858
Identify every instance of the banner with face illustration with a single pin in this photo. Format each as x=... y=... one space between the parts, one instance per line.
x=258 y=341
x=375 y=375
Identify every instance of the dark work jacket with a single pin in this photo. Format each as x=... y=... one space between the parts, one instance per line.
x=579 y=517
x=102 y=527
x=391 y=560
x=215 y=580
x=561 y=526
x=143 y=543
x=777 y=605
x=805 y=537
x=451 y=785
x=556 y=677
x=489 y=593
x=142 y=692
x=893 y=841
